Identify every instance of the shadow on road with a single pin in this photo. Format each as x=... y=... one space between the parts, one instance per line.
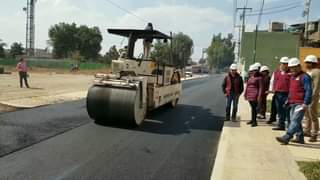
x=182 y=119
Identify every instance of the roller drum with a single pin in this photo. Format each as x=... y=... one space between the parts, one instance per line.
x=119 y=104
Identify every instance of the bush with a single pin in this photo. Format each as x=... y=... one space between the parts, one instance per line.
x=310 y=169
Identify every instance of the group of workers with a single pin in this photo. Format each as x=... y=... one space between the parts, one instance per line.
x=295 y=96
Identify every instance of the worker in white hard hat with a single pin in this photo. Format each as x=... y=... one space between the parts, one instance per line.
x=253 y=93
x=312 y=123
x=300 y=97
x=281 y=84
x=232 y=87
x=264 y=71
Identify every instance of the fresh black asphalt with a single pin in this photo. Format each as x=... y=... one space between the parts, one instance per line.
x=61 y=142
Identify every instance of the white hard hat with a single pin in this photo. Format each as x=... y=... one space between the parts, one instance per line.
x=257 y=64
x=311 y=59
x=264 y=68
x=284 y=60
x=294 y=62
x=253 y=67
x=233 y=67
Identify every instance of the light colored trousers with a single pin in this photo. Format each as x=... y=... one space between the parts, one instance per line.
x=312 y=122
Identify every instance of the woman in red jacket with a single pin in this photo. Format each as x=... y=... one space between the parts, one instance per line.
x=253 y=92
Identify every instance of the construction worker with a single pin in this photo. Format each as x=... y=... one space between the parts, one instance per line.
x=264 y=71
x=312 y=123
x=232 y=87
x=147 y=42
x=281 y=91
x=300 y=96
x=273 y=114
x=253 y=92
x=23 y=72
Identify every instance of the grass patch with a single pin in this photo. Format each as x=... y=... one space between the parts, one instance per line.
x=54 y=64
x=310 y=169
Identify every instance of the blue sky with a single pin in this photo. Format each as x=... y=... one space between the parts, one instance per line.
x=200 y=19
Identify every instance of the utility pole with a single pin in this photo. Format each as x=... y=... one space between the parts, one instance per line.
x=306 y=13
x=243 y=17
x=30 y=27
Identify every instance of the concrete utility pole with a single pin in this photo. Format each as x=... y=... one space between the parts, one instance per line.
x=243 y=17
x=306 y=13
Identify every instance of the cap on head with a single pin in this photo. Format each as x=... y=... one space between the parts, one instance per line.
x=264 y=68
x=311 y=59
x=284 y=60
x=253 y=67
x=257 y=64
x=294 y=62
x=233 y=67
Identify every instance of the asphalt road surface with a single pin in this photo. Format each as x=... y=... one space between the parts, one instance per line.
x=61 y=142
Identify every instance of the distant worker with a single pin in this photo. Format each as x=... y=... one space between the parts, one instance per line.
x=312 y=122
x=23 y=72
x=147 y=43
x=232 y=87
x=281 y=91
x=253 y=92
x=264 y=71
x=300 y=97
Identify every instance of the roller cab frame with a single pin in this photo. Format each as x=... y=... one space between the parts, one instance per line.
x=136 y=85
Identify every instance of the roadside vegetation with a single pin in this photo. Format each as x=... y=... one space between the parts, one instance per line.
x=310 y=169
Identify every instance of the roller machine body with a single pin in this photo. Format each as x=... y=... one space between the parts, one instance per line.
x=135 y=86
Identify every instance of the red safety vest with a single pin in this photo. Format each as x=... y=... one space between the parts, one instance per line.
x=236 y=84
x=282 y=81
x=296 y=94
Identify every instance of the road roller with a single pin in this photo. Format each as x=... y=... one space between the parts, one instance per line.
x=136 y=85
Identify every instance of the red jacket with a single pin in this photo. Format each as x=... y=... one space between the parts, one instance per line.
x=297 y=92
x=281 y=81
x=254 y=88
x=237 y=84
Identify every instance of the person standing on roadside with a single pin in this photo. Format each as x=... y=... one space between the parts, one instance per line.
x=23 y=72
x=232 y=87
x=253 y=92
x=264 y=71
x=312 y=122
x=300 y=97
x=281 y=91
x=273 y=114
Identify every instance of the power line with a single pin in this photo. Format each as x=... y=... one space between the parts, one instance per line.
x=274 y=12
x=279 y=7
x=123 y=9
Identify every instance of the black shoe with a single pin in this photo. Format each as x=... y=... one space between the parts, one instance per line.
x=297 y=141
x=281 y=140
x=279 y=129
x=271 y=121
x=254 y=125
x=250 y=122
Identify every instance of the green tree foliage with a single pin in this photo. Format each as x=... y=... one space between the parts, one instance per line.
x=112 y=54
x=221 y=51
x=69 y=38
x=182 y=49
x=16 y=49
x=2 y=51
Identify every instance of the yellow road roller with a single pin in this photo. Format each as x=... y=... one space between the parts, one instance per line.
x=135 y=85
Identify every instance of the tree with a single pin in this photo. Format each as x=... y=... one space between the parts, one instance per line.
x=221 y=51
x=182 y=49
x=2 y=51
x=16 y=49
x=112 y=54
x=68 y=38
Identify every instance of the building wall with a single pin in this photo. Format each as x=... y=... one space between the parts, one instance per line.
x=271 y=46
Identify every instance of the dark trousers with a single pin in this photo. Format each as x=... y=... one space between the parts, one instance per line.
x=23 y=76
x=281 y=98
x=232 y=100
x=273 y=115
x=254 y=105
x=263 y=106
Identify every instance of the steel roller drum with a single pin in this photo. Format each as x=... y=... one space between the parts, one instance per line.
x=118 y=104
